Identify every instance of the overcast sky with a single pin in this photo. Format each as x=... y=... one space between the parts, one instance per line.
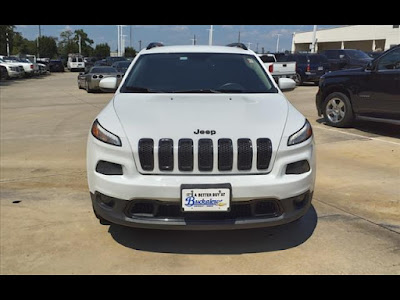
x=265 y=35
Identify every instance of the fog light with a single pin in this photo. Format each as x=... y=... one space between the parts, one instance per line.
x=108 y=168
x=299 y=167
x=301 y=200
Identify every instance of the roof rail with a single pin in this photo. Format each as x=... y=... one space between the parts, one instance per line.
x=239 y=45
x=154 y=44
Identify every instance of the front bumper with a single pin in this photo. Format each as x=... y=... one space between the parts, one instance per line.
x=15 y=74
x=131 y=187
x=161 y=215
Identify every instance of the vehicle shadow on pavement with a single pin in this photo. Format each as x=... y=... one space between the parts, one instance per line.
x=218 y=242
x=372 y=128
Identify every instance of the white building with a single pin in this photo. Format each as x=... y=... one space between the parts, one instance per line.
x=362 y=37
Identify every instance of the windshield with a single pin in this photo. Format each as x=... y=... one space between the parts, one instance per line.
x=198 y=73
x=357 y=54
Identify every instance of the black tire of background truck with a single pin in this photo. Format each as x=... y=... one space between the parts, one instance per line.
x=298 y=79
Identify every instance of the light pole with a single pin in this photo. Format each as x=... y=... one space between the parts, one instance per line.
x=313 y=39
x=118 y=45
x=210 y=35
x=123 y=45
x=248 y=45
x=122 y=50
x=193 y=40
x=80 y=44
x=277 y=42
x=8 y=45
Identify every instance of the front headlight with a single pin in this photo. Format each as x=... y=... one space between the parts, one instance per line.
x=104 y=135
x=300 y=136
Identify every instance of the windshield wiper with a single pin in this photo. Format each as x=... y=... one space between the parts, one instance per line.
x=229 y=91
x=196 y=91
x=139 y=89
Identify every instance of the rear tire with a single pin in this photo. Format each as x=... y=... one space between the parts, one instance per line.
x=298 y=79
x=337 y=110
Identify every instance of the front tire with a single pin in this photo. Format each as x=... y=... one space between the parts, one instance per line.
x=88 y=89
x=337 y=110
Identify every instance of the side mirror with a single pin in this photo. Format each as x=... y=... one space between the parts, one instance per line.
x=108 y=84
x=369 y=66
x=286 y=84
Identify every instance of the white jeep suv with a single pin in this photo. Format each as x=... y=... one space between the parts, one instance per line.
x=199 y=137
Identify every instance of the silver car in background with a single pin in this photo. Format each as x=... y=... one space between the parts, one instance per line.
x=90 y=79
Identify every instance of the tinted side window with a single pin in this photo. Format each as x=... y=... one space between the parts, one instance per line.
x=391 y=61
x=332 y=54
x=317 y=59
x=302 y=59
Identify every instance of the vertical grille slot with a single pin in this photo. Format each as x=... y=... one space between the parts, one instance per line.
x=225 y=154
x=166 y=154
x=146 y=154
x=245 y=154
x=264 y=152
x=205 y=155
x=185 y=155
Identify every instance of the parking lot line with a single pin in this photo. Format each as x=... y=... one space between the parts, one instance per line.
x=355 y=134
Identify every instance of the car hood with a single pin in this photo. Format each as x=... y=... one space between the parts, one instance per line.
x=178 y=116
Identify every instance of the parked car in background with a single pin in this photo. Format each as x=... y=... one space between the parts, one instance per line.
x=369 y=93
x=309 y=66
x=89 y=62
x=340 y=59
x=90 y=80
x=121 y=66
x=27 y=66
x=56 y=65
x=43 y=68
x=112 y=59
x=75 y=62
x=101 y=62
x=286 y=69
x=11 y=70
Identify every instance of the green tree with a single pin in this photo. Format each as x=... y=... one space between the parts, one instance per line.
x=20 y=44
x=86 y=42
x=67 y=44
x=48 y=47
x=130 y=52
x=101 y=51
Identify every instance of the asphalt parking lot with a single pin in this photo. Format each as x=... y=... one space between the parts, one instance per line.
x=48 y=227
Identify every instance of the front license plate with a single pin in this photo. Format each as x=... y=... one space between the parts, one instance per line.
x=206 y=198
x=320 y=68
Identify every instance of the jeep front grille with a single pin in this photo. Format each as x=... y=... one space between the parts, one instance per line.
x=199 y=155
x=205 y=155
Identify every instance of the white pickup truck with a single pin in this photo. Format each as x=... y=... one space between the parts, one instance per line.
x=278 y=69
